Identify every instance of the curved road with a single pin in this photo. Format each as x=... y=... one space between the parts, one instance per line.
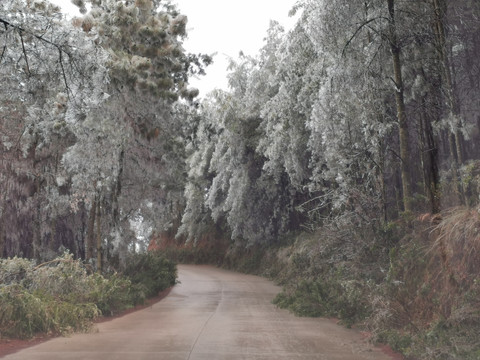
x=212 y=314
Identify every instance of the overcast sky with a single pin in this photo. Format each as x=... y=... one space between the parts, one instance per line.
x=228 y=27
x=224 y=27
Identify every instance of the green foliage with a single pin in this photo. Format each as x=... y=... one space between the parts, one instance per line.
x=250 y=260
x=24 y=313
x=346 y=300
x=114 y=293
x=151 y=272
x=470 y=175
x=60 y=296
x=398 y=342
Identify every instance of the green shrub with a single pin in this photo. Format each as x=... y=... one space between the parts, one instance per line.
x=14 y=271
x=23 y=314
x=151 y=272
x=63 y=278
x=398 y=342
x=113 y=294
x=345 y=299
x=60 y=296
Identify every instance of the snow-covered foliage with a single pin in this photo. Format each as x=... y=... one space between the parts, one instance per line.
x=89 y=136
x=319 y=126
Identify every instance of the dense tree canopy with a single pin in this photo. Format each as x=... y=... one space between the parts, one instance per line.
x=360 y=113
x=91 y=138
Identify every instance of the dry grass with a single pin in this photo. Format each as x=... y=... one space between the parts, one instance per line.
x=454 y=267
x=430 y=303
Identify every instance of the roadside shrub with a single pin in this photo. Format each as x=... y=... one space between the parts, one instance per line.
x=14 y=271
x=23 y=314
x=430 y=296
x=63 y=278
x=60 y=296
x=113 y=294
x=344 y=299
x=151 y=272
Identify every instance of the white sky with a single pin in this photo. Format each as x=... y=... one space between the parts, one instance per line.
x=227 y=27
x=224 y=27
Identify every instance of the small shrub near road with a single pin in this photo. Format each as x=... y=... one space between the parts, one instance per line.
x=151 y=272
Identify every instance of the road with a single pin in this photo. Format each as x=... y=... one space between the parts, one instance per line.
x=212 y=314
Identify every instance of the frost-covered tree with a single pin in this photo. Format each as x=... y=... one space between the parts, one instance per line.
x=99 y=141
x=291 y=71
x=46 y=67
x=226 y=179
x=148 y=72
x=347 y=113
x=236 y=175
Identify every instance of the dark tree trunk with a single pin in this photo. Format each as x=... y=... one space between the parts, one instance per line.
x=429 y=160
x=401 y=112
x=90 y=243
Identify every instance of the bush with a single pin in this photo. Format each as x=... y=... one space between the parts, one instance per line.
x=60 y=296
x=113 y=294
x=151 y=272
x=23 y=314
x=345 y=299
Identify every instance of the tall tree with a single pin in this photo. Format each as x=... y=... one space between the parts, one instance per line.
x=401 y=109
x=149 y=72
x=45 y=65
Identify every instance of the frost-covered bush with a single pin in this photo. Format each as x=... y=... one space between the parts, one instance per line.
x=114 y=294
x=62 y=277
x=14 y=271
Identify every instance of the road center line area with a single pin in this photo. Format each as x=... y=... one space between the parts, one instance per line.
x=211 y=314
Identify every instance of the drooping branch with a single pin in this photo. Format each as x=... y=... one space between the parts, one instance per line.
x=63 y=71
x=4 y=45
x=22 y=31
x=25 y=54
x=365 y=23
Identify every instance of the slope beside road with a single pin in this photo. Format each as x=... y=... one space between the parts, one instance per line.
x=212 y=314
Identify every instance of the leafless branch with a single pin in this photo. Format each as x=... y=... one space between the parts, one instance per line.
x=365 y=23
x=63 y=71
x=25 y=54
x=5 y=45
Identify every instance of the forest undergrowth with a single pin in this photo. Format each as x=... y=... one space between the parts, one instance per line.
x=413 y=284
x=62 y=296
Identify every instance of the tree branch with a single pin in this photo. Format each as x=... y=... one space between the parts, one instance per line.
x=25 y=54
x=365 y=23
x=22 y=30
x=61 y=49
x=5 y=45
x=63 y=71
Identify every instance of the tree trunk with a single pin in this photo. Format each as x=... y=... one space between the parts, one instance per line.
x=2 y=237
x=381 y=179
x=99 y=239
x=429 y=160
x=401 y=112
x=90 y=241
x=440 y=8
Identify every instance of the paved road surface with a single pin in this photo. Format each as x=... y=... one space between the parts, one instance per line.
x=213 y=314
